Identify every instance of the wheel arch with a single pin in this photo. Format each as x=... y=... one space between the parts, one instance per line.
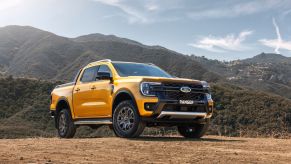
x=123 y=95
x=62 y=103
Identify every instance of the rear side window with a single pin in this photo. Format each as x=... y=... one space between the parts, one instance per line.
x=89 y=74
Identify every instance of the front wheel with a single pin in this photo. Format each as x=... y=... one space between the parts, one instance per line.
x=126 y=120
x=65 y=124
x=193 y=131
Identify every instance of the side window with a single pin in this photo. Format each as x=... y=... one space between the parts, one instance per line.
x=89 y=74
x=105 y=68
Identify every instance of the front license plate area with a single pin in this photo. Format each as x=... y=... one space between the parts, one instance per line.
x=186 y=102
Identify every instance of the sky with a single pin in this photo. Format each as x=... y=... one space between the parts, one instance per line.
x=223 y=30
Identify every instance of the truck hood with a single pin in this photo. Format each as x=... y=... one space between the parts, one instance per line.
x=163 y=79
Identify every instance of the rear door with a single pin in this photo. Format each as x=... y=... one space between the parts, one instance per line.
x=84 y=105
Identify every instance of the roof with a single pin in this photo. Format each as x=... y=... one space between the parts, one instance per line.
x=110 y=61
x=103 y=60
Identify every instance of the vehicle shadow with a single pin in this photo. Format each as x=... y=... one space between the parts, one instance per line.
x=170 y=139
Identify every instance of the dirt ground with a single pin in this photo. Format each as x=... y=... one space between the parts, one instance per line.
x=210 y=149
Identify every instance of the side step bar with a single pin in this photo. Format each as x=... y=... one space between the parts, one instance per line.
x=93 y=122
x=182 y=114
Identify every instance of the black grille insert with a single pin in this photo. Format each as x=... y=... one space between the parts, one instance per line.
x=172 y=91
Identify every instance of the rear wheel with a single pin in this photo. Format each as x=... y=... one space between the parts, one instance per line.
x=193 y=131
x=126 y=120
x=65 y=124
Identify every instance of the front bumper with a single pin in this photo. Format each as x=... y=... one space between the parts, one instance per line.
x=182 y=114
x=172 y=112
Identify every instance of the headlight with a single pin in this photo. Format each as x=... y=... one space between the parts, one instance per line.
x=205 y=85
x=146 y=88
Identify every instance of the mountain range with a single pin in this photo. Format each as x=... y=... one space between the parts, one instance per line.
x=30 y=52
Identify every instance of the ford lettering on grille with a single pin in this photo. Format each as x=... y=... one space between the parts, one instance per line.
x=188 y=102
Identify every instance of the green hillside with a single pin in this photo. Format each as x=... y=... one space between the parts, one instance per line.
x=266 y=72
x=24 y=105
x=24 y=108
x=250 y=113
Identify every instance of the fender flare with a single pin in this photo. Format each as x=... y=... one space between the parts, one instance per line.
x=67 y=102
x=122 y=91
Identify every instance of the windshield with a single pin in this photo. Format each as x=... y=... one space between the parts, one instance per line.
x=138 y=69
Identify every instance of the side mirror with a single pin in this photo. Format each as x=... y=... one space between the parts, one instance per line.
x=219 y=106
x=104 y=76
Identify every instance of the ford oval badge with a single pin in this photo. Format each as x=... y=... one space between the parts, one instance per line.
x=185 y=89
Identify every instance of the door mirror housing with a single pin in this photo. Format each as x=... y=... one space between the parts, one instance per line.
x=104 y=76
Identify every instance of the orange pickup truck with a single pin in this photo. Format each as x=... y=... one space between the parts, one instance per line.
x=130 y=96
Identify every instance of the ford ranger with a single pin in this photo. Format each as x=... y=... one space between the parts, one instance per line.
x=130 y=96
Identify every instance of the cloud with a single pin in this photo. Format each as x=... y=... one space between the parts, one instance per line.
x=207 y=47
x=152 y=7
x=134 y=14
x=221 y=44
x=138 y=11
x=273 y=43
x=242 y=9
x=146 y=12
x=279 y=38
x=151 y=11
x=278 y=43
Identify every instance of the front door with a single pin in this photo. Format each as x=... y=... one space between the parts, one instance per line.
x=101 y=94
x=84 y=104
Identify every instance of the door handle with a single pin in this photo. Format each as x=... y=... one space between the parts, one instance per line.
x=77 y=90
x=93 y=87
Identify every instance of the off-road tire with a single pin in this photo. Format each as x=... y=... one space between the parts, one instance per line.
x=194 y=131
x=65 y=124
x=134 y=122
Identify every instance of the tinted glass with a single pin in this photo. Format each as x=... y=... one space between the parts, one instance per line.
x=89 y=74
x=105 y=68
x=138 y=69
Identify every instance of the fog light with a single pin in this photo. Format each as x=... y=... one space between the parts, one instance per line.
x=150 y=106
x=210 y=109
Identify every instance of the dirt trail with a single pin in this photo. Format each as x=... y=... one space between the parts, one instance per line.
x=210 y=149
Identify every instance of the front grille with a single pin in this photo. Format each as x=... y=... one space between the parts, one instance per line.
x=171 y=91
x=184 y=96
